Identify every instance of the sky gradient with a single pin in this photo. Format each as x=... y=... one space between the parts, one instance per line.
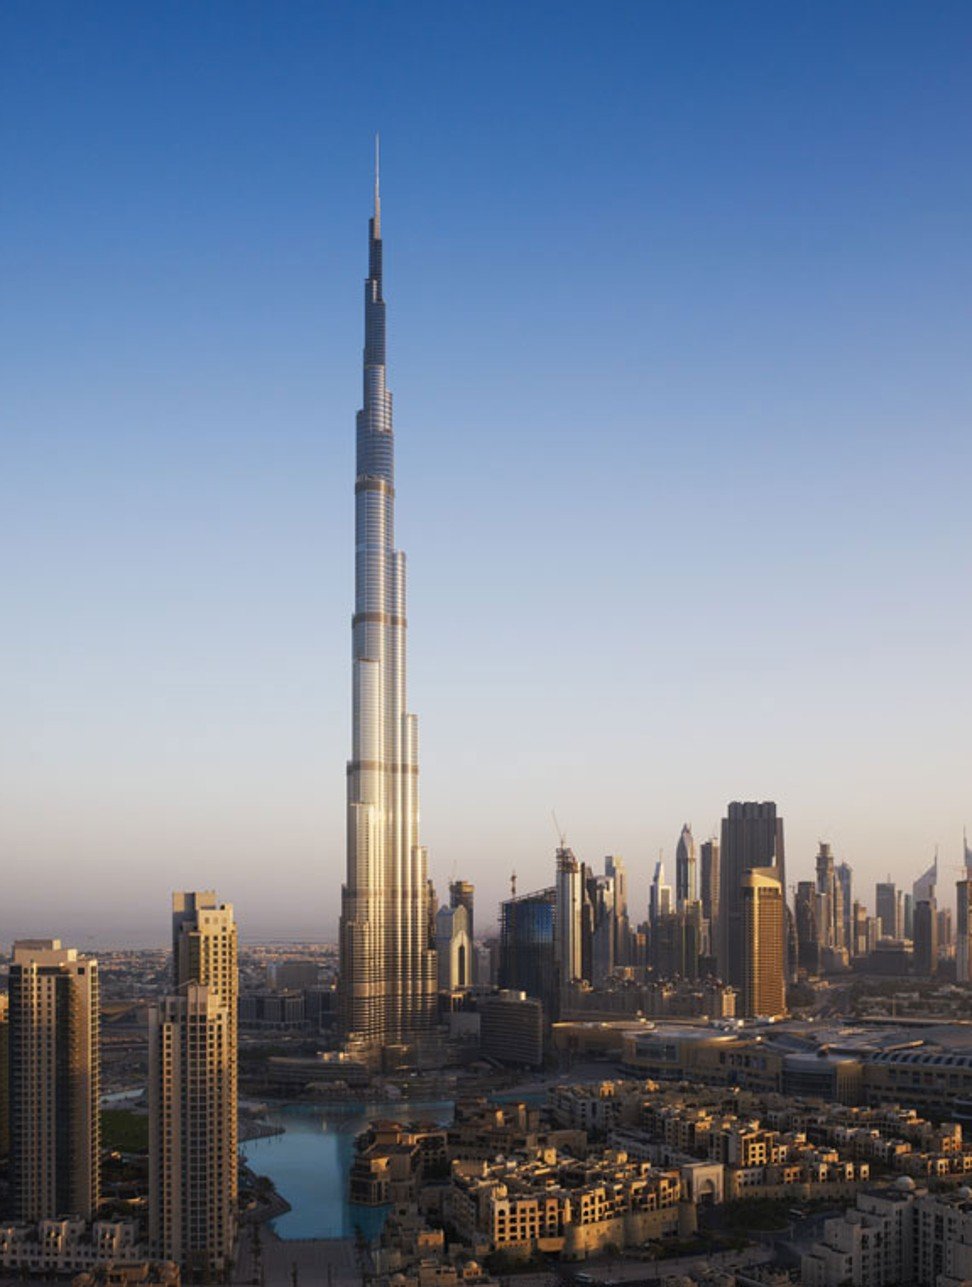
x=679 y=308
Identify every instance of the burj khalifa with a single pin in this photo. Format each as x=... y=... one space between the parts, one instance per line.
x=388 y=973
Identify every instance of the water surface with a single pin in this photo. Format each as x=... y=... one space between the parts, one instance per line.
x=309 y=1163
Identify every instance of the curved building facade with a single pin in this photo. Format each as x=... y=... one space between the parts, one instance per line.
x=388 y=974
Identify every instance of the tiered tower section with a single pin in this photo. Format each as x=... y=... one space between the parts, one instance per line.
x=388 y=973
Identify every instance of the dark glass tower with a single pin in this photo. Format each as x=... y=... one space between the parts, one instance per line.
x=752 y=837
x=388 y=975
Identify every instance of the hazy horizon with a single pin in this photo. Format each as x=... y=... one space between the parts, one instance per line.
x=679 y=333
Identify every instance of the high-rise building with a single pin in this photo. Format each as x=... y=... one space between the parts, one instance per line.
x=752 y=837
x=388 y=971
x=614 y=867
x=453 y=948
x=526 y=955
x=660 y=901
x=886 y=907
x=831 y=893
x=808 y=936
x=907 y=914
x=193 y=1091
x=463 y=894
x=709 y=882
x=926 y=939
x=946 y=940
x=677 y=942
x=963 y=930
x=192 y=1131
x=604 y=937
x=923 y=890
x=686 y=883
x=54 y=1057
x=845 y=879
x=568 y=937
x=764 y=983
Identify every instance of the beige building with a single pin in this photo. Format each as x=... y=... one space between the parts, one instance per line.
x=55 y=1131
x=764 y=975
x=193 y=1091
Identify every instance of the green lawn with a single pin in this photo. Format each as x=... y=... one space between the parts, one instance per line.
x=124 y=1131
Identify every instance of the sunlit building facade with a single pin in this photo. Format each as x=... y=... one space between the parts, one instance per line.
x=388 y=969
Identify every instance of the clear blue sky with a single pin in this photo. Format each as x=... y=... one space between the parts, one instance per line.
x=680 y=330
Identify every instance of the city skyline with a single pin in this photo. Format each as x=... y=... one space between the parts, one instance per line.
x=180 y=382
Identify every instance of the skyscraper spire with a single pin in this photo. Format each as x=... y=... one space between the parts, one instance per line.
x=377 y=218
x=388 y=973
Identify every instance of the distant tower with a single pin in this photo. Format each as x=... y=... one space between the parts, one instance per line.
x=886 y=907
x=764 y=986
x=752 y=837
x=926 y=939
x=686 y=884
x=845 y=880
x=193 y=1092
x=808 y=937
x=388 y=971
x=55 y=1091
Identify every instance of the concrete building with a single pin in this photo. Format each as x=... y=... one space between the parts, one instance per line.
x=764 y=978
x=387 y=973
x=54 y=1060
x=193 y=1091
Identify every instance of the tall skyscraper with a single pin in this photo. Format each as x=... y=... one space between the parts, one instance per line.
x=808 y=934
x=686 y=884
x=709 y=883
x=830 y=918
x=764 y=983
x=193 y=1091
x=568 y=939
x=55 y=1124
x=614 y=867
x=604 y=936
x=388 y=971
x=752 y=837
